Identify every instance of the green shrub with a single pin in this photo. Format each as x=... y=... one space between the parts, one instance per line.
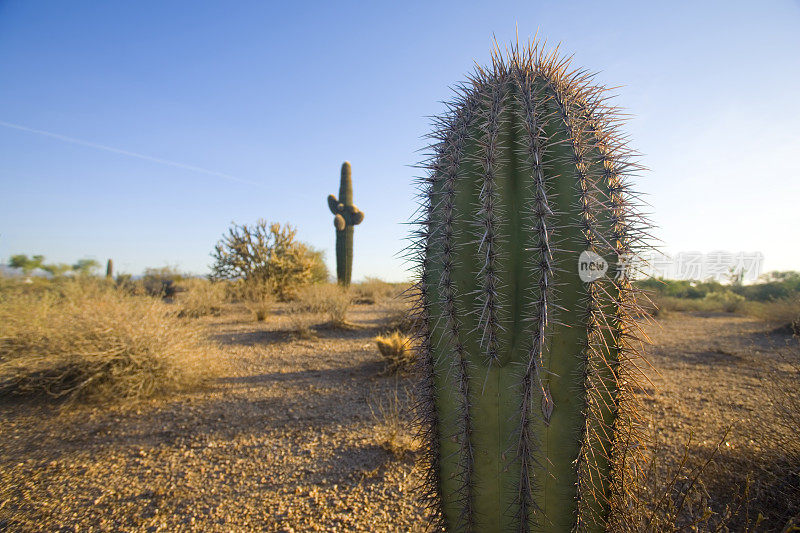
x=727 y=301
x=774 y=286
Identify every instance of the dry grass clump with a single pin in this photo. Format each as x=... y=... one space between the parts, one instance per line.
x=260 y=308
x=374 y=290
x=328 y=299
x=201 y=297
x=397 y=351
x=301 y=320
x=392 y=416
x=777 y=480
x=784 y=312
x=748 y=481
x=665 y=496
x=783 y=386
x=315 y=301
x=86 y=339
x=258 y=298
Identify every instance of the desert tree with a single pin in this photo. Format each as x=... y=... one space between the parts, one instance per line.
x=86 y=266
x=27 y=264
x=266 y=255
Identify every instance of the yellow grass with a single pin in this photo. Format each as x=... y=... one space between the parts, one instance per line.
x=778 y=312
x=201 y=297
x=375 y=290
x=84 y=338
x=392 y=428
x=328 y=299
x=257 y=297
x=301 y=320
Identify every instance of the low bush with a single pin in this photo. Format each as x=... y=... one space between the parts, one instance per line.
x=668 y=304
x=774 y=286
x=161 y=281
x=684 y=289
x=713 y=302
x=86 y=339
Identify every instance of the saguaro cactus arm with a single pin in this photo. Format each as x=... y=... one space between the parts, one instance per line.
x=339 y=223
x=356 y=216
x=334 y=205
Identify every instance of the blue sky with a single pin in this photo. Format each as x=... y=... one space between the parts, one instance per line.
x=266 y=99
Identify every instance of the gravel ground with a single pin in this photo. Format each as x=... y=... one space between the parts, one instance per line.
x=289 y=440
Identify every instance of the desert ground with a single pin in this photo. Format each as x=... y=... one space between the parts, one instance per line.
x=314 y=435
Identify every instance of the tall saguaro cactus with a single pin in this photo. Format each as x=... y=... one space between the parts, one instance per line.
x=346 y=216
x=526 y=351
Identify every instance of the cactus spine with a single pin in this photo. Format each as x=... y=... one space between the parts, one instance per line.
x=527 y=367
x=110 y=269
x=346 y=216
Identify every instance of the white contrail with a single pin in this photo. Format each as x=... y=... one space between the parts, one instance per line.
x=128 y=153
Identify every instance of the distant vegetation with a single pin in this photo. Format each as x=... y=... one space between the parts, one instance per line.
x=82 y=336
x=772 y=286
x=774 y=299
x=29 y=264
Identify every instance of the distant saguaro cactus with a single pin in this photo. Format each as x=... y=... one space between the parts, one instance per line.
x=526 y=341
x=346 y=215
x=110 y=269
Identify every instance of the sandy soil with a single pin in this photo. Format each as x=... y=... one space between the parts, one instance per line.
x=289 y=439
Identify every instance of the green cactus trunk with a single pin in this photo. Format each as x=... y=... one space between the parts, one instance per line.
x=346 y=216
x=522 y=356
x=344 y=255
